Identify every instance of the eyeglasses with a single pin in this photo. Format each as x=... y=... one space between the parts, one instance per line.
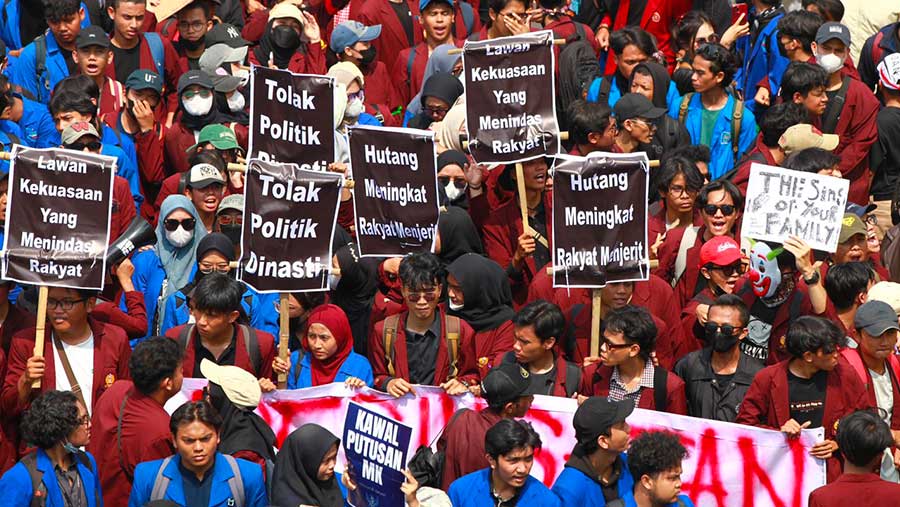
x=194 y=26
x=361 y=95
x=210 y=268
x=459 y=183
x=429 y=295
x=726 y=329
x=229 y=219
x=202 y=93
x=738 y=268
x=434 y=110
x=726 y=209
x=65 y=304
x=678 y=190
x=91 y=146
x=187 y=224
x=614 y=346
x=647 y=123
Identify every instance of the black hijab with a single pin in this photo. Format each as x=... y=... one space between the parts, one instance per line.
x=485 y=286
x=459 y=235
x=220 y=103
x=242 y=429
x=198 y=122
x=297 y=467
x=281 y=56
x=444 y=86
x=354 y=292
x=661 y=81
x=452 y=157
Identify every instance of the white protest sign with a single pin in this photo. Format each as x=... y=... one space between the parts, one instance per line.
x=781 y=203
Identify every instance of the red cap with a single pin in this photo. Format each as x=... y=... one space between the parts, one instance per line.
x=721 y=251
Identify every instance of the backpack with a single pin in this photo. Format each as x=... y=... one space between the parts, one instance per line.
x=573 y=372
x=426 y=465
x=40 y=63
x=39 y=491
x=235 y=483
x=736 y=116
x=687 y=241
x=577 y=68
x=660 y=393
x=451 y=326
x=157 y=50
x=251 y=343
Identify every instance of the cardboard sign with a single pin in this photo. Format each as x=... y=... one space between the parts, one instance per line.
x=395 y=200
x=511 y=98
x=291 y=118
x=375 y=446
x=781 y=203
x=57 y=218
x=600 y=219
x=289 y=221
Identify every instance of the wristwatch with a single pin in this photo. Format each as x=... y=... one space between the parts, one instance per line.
x=814 y=279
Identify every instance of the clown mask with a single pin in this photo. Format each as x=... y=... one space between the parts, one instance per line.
x=765 y=277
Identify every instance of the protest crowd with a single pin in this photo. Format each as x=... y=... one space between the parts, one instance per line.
x=786 y=335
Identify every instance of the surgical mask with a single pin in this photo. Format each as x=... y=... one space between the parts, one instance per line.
x=285 y=38
x=333 y=281
x=455 y=307
x=197 y=105
x=354 y=108
x=232 y=231
x=453 y=192
x=70 y=447
x=244 y=74
x=236 y=101
x=179 y=237
x=830 y=62
x=722 y=342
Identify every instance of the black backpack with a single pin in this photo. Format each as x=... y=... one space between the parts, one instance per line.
x=39 y=491
x=577 y=68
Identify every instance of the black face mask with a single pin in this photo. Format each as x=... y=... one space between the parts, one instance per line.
x=722 y=342
x=285 y=39
x=192 y=45
x=368 y=56
x=232 y=231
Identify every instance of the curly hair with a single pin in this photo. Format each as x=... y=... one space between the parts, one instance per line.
x=153 y=360
x=654 y=452
x=51 y=419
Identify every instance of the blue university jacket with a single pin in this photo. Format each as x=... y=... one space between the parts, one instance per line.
x=16 y=490
x=38 y=126
x=220 y=493
x=593 y=93
x=575 y=489
x=762 y=60
x=474 y=490
x=23 y=71
x=9 y=23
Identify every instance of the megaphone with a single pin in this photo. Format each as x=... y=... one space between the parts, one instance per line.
x=139 y=233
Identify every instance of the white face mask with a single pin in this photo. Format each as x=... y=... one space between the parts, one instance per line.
x=197 y=105
x=333 y=281
x=354 y=108
x=455 y=307
x=179 y=237
x=244 y=74
x=830 y=62
x=453 y=193
x=236 y=102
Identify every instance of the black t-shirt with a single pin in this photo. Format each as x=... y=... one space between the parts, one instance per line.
x=31 y=20
x=405 y=17
x=70 y=62
x=421 y=353
x=807 y=398
x=831 y=102
x=886 y=154
x=126 y=61
x=722 y=381
x=227 y=357
x=542 y=383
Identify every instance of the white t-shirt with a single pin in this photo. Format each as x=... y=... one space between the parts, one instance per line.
x=884 y=398
x=81 y=359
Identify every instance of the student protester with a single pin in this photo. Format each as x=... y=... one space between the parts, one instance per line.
x=509 y=448
x=388 y=298
x=720 y=204
x=31 y=117
x=885 y=157
x=353 y=291
x=863 y=438
x=326 y=355
x=440 y=61
x=796 y=33
x=300 y=306
x=37 y=74
x=655 y=18
x=637 y=121
x=762 y=58
x=654 y=461
x=160 y=271
x=57 y=424
x=80 y=354
x=231 y=90
x=717 y=377
x=651 y=80
x=230 y=220
x=626 y=371
x=130 y=422
x=539 y=329
x=596 y=473
x=304 y=469
x=193 y=21
x=454 y=171
x=712 y=114
x=698 y=154
x=218 y=335
x=479 y=294
x=829 y=10
x=357 y=112
x=217 y=145
x=438 y=95
x=877 y=48
x=812 y=389
x=180 y=478
x=592 y=127
x=353 y=42
x=677 y=183
x=505 y=389
x=205 y=187
x=696 y=28
x=804 y=84
x=505 y=18
x=814 y=160
x=630 y=46
x=135 y=47
x=414 y=347
x=283 y=44
x=92 y=55
x=847 y=286
x=853 y=247
x=409 y=70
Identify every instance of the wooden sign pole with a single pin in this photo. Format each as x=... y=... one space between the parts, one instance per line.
x=523 y=199
x=596 y=304
x=284 y=335
x=39 y=328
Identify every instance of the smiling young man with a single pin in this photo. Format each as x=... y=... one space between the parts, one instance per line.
x=654 y=460
x=509 y=446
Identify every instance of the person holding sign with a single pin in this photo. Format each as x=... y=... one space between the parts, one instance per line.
x=509 y=446
x=422 y=345
x=812 y=389
x=281 y=45
x=326 y=355
x=304 y=469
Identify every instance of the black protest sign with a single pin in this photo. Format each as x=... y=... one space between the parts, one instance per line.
x=395 y=198
x=600 y=220
x=289 y=220
x=511 y=98
x=57 y=218
x=291 y=118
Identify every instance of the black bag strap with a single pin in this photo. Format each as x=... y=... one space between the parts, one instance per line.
x=38 y=490
x=573 y=378
x=119 y=438
x=251 y=346
x=40 y=61
x=300 y=354
x=570 y=346
x=605 y=87
x=660 y=396
x=833 y=113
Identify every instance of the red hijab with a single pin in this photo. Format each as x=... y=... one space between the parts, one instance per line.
x=332 y=317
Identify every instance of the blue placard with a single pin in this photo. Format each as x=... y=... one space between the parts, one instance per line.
x=375 y=446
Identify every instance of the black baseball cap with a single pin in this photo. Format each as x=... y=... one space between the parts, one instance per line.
x=597 y=415
x=194 y=77
x=143 y=79
x=635 y=105
x=92 y=36
x=224 y=33
x=505 y=383
x=875 y=318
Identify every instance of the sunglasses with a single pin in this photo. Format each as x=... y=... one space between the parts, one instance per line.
x=228 y=220
x=726 y=209
x=172 y=225
x=726 y=329
x=436 y=109
x=459 y=183
x=91 y=146
x=738 y=268
x=414 y=297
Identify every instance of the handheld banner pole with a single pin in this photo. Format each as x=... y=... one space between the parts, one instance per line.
x=459 y=51
x=39 y=328
x=284 y=335
x=596 y=305
x=523 y=199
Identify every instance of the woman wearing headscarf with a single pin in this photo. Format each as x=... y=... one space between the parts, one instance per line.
x=357 y=111
x=452 y=179
x=441 y=60
x=163 y=269
x=480 y=294
x=282 y=42
x=243 y=433
x=457 y=235
x=327 y=355
x=304 y=469
x=439 y=93
x=652 y=80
